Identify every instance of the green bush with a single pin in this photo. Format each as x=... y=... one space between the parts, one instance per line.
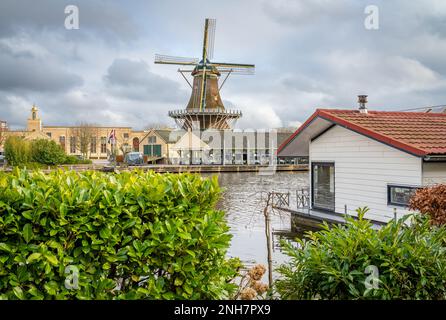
x=37 y=153
x=75 y=160
x=331 y=264
x=17 y=151
x=84 y=161
x=47 y=152
x=71 y=160
x=133 y=235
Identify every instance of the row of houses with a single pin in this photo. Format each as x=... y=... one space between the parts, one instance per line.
x=369 y=158
x=164 y=145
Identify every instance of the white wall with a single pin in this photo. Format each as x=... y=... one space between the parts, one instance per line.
x=363 y=169
x=434 y=172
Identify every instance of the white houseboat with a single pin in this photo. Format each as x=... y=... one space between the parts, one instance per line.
x=368 y=158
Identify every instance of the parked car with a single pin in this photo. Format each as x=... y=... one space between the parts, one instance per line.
x=134 y=159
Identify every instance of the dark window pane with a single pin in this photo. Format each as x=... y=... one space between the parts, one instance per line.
x=400 y=195
x=323 y=186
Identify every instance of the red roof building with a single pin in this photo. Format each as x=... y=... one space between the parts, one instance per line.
x=361 y=158
x=418 y=133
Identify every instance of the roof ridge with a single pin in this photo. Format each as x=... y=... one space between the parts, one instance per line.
x=417 y=133
x=409 y=113
x=365 y=130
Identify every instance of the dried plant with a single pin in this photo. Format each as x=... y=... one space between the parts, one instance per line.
x=431 y=201
x=250 y=286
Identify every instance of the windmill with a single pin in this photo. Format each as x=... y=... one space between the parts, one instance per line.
x=205 y=108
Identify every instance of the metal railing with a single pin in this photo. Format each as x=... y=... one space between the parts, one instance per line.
x=303 y=198
x=280 y=199
x=286 y=200
x=205 y=111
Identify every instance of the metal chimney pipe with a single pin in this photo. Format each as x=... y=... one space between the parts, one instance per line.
x=362 y=100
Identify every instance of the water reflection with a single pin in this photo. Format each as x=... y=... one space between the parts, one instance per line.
x=243 y=201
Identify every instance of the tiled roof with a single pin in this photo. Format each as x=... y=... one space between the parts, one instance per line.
x=418 y=133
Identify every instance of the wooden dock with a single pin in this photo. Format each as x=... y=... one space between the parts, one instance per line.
x=162 y=168
x=217 y=168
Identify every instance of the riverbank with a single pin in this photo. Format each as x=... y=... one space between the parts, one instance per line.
x=220 y=168
x=164 y=168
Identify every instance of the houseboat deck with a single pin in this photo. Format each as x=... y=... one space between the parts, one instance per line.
x=298 y=205
x=313 y=218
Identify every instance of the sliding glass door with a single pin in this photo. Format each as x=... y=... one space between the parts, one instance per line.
x=323 y=186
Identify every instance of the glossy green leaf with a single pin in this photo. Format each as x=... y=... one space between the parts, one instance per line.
x=32 y=257
x=27 y=232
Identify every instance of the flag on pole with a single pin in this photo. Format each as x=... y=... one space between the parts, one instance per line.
x=112 y=137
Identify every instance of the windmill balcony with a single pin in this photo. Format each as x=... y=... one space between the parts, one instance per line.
x=213 y=111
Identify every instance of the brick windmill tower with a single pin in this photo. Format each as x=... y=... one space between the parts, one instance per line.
x=205 y=109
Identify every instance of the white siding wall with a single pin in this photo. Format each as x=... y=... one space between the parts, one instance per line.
x=434 y=173
x=363 y=169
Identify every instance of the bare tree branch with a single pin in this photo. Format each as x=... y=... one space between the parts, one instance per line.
x=157 y=126
x=84 y=134
x=3 y=130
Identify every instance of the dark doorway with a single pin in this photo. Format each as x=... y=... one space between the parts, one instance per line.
x=136 y=144
x=323 y=186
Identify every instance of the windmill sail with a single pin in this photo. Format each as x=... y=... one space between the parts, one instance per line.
x=211 y=38
x=233 y=70
x=235 y=65
x=163 y=59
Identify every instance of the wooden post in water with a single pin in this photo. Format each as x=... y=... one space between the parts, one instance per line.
x=268 y=238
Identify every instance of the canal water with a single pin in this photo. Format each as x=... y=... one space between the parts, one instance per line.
x=243 y=200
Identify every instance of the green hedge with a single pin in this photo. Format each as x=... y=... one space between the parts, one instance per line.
x=76 y=160
x=337 y=262
x=47 y=152
x=133 y=235
x=31 y=154
x=17 y=151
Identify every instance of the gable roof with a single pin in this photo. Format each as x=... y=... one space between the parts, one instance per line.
x=417 y=133
x=189 y=141
x=34 y=135
x=165 y=134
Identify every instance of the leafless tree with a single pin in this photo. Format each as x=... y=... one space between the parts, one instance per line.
x=84 y=134
x=3 y=129
x=157 y=126
x=125 y=145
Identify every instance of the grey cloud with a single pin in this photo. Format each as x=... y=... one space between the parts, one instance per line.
x=311 y=12
x=134 y=80
x=22 y=70
x=12 y=111
x=105 y=19
x=81 y=106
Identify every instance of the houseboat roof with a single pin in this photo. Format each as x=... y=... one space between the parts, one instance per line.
x=419 y=133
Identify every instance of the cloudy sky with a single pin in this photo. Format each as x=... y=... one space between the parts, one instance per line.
x=308 y=54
